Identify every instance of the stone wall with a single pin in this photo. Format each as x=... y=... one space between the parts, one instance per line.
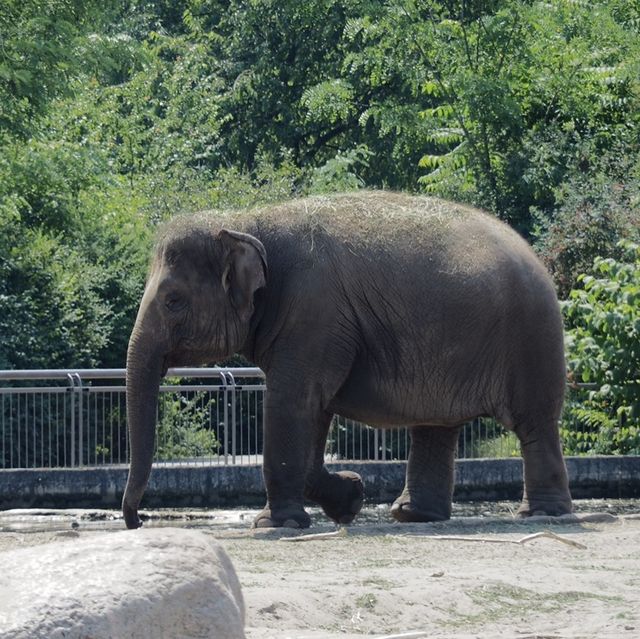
x=228 y=486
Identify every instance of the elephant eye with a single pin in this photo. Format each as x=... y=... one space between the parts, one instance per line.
x=175 y=303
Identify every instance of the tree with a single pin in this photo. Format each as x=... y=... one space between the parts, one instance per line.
x=39 y=56
x=596 y=209
x=517 y=89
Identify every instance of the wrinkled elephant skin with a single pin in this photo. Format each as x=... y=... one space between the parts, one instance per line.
x=390 y=309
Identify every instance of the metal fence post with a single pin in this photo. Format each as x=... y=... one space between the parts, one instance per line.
x=233 y=418
x=229 y=384
x=72 y=383
x=75 y=389
x=225 y=418
x=79 y=390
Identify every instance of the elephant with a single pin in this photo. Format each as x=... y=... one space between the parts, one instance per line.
x=388 y=308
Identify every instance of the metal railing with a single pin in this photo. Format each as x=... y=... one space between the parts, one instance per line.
x=71 y=418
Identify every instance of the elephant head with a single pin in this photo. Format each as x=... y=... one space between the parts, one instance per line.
x=196 y=309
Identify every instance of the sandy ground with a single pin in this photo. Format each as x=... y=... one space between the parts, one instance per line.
x=464 y=578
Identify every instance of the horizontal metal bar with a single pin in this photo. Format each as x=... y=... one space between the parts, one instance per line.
x=120 y=373
x=169 y=388
x=218 y=387
x=63 y=373
x=165 y=388
x=34 y=390
x=216 y=370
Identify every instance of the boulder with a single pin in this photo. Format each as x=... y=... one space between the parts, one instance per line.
x=162 y=583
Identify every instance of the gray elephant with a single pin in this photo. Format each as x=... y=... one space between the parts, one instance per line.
x=386 y=308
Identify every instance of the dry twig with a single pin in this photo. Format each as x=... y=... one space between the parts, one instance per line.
x=493 y=540
x=341 y=532
x=405 y=635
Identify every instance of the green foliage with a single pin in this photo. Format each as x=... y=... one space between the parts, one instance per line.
x=184 y=428
x=328 y=102
x=516 y=88
x=504 y=445
x=44 y=178
x=72 y=258
x=603 y=344
x=268 y=182
x=38 y=41
x=341 y=173
x=39 y=333
x=596 y=209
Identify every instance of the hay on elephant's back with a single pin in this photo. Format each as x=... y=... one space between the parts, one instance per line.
x=369 y=223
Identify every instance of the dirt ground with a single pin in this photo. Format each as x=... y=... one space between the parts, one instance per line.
x=468 y=577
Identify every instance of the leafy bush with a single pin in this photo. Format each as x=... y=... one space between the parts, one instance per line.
x=39 y=56
x=272 y=180
x=51 y=311
x=184 y=427
x=603 y=344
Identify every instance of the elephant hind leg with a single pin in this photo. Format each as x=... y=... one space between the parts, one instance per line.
x=546 y=484
x=535 y=387
x=428 y=489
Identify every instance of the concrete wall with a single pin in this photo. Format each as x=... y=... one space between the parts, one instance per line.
x=228 y=486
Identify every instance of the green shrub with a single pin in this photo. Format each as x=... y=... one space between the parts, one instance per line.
x=184 y=428
x=603 y=345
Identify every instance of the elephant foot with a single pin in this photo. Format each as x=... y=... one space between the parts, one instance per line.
x=404 y=510
x=342 y=496
x=290 y=517
x=552 y=507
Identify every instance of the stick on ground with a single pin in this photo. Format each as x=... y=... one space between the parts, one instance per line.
x=492 y=540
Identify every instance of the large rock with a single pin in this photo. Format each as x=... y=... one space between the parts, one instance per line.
x=163 y=583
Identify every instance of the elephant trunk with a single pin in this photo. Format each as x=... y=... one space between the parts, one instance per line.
x=145 y=368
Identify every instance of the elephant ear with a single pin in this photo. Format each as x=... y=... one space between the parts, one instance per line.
x=244 y=269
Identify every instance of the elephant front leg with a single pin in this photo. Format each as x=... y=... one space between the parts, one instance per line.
x=292 y=476
x=340 y=494
x=428 y=488
x=292 y=420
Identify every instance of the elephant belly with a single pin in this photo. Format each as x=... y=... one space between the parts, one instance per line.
x=397 y=404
